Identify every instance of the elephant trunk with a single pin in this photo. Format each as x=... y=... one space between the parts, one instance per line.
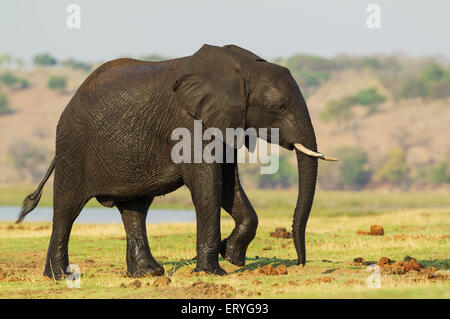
x=307 y=176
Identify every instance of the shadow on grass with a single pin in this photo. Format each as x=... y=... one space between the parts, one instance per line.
x=254 y=263
x=443 y=264
x=178 y=264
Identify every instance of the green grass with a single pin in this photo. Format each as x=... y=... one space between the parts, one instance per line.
x=416 y=225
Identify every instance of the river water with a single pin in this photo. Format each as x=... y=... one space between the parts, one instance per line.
x=99 y=215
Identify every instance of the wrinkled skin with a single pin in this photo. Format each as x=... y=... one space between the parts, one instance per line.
x=114 y=143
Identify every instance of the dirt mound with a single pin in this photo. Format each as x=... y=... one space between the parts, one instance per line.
x=134 y=284
x=162 y=281
x=2 y=275
x=408 y=265
x=318 y=280
x=11 y=276
x=375 y=230
x=418 y=236
x=207 y=289
x=402 y=267
x=384 y=261
x=351 y=282
x=41 y=228
x=359 y=261
x=267 y=270
x=15 y=227
x=281 y=232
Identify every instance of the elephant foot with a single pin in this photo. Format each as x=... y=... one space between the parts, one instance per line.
x=210 y=269
x=55 y=271
x=232 y=253
x=148 y=268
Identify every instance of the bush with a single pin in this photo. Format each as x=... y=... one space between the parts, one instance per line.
x=439 y=90
x=394 y=169
x=8 y=79
x=29 y=160
x=353 y=172
x=337 y=110
x=370 y=62
x=431 y=73
x=432 y=82
x=341 y=109
x=284 y=178
x=57 y=83
x=436 y=174
x=4 y=109
x=311 y=79
x=440 y=173
x=77 y=64
x=44 y=59
x=369 y=97
x=5 y=59
x=414 y=88
x=349 y=173
x=305 y=62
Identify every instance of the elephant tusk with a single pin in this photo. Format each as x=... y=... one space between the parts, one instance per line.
x=307 y=151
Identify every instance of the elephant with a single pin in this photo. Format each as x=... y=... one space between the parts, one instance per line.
x=113 y=143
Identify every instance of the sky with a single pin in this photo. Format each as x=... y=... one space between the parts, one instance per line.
x=173 y=28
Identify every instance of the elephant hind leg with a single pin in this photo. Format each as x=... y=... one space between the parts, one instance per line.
x=140 y=261
x=67 y=207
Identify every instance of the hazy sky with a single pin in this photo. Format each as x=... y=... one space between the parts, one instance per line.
x=270 y=28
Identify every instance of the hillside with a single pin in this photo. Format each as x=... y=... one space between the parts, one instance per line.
x=417 y=127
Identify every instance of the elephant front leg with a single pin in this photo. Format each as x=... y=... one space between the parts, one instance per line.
x=204 y=183
x=140 y=261
x=235 y=202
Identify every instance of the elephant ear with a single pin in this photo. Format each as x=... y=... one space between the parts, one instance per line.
x=211 y=88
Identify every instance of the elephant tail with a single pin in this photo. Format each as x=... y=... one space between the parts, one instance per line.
x=31 y=201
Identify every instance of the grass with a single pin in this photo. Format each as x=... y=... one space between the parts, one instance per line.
x=416 y=225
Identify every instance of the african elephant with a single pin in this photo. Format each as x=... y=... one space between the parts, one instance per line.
x=113 y=142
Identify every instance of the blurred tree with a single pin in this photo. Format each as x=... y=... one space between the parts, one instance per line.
x=284 y=178
x=29 y=160
x=394 y=169
x=431 y=73
x=8 y=79
x=80 y=65
x=57 y=83
x=44 y=59
x=5 y=60
x=369 y=97
x=370 y=62
x=4 y=105
x=435 y=174
x=440 y=173
x=338 y=110
x=414 y=88
x=11 y=80
x=305 y=62
x=354 y=174
x=439 y=90
x=349 y=173
x=311 y=78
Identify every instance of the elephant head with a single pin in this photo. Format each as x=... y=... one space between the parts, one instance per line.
x=230 y=87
